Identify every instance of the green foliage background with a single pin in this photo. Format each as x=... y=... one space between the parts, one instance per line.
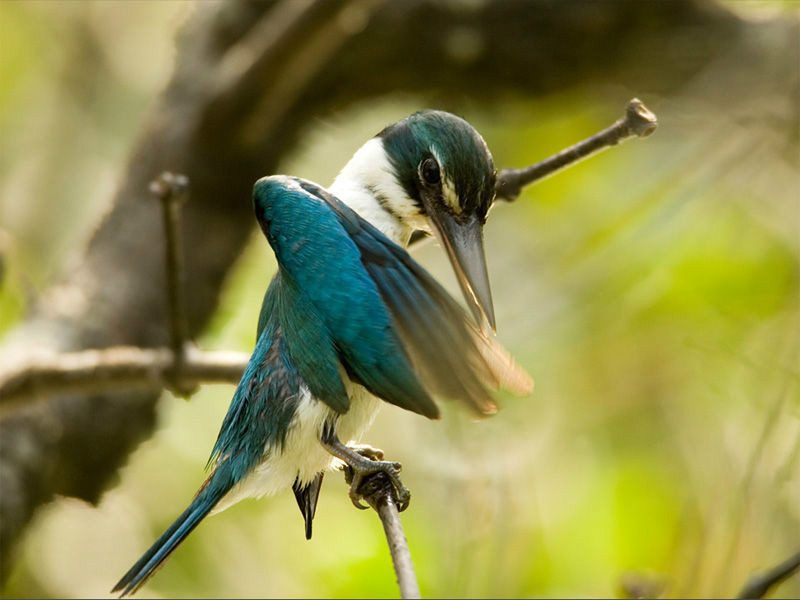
x=651 y=291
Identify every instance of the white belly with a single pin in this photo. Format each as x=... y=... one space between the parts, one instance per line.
x=302 y=456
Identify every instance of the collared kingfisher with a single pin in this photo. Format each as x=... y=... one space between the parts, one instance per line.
x=350 y=319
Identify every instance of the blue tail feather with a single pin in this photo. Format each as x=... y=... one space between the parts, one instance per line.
x=208 y=497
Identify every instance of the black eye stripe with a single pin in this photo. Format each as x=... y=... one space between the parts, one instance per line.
x=429 y=171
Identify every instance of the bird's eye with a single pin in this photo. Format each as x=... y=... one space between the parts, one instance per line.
x=429 y=169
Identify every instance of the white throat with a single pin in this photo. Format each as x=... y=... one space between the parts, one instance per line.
x=368 y=186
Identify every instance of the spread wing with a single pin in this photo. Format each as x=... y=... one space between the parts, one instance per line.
x=394 y=329
x=329 y=303
x=455 y=358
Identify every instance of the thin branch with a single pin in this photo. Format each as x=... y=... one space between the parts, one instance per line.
x=114 y=369
x=760 y=584
x=743 y=497
x=638 y=121
x=378 y=491
x=172 y=191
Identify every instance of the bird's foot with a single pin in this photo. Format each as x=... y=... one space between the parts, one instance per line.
x=359 y=474
x=361 y=463
x=367 y=451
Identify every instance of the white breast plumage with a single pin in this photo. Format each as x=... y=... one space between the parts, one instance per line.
x=302 y=456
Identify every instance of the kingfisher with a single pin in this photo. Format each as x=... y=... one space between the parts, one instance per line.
x=350 y=320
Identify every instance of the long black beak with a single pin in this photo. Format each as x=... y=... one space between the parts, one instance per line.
x=462 y=238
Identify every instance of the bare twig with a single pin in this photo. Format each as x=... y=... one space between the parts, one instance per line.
x=759 y=585
x=638 y=121
x=115 y=369
x=742 y=506
x=378 y=491
x=173 y=190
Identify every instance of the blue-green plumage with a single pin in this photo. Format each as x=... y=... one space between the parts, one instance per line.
x=350 y=317
x=331 y=310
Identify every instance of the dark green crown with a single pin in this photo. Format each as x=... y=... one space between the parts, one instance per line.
x=463 y=157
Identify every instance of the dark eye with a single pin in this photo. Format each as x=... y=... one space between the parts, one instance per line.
x=430 y=171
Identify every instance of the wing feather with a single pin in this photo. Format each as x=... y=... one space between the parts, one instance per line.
x=322 y=266
x=398 y=332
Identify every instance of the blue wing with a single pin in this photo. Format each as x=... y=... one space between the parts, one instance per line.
x=396 y=330
x=331 y=311
x=442 y=339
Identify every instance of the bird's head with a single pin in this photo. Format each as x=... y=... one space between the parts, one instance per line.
x=447 y=177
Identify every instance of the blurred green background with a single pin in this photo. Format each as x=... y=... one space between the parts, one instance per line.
x=651 y=291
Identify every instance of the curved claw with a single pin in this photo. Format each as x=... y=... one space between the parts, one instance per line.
x=355 y=479
x=355 y=498
x=403 y=499
x=391 y=470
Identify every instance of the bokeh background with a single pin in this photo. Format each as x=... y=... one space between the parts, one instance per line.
x=652 y=292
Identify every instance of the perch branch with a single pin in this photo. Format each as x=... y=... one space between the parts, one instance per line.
x=117 y=368
x=760 y=584
x=379 y=493
x=638 y=121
